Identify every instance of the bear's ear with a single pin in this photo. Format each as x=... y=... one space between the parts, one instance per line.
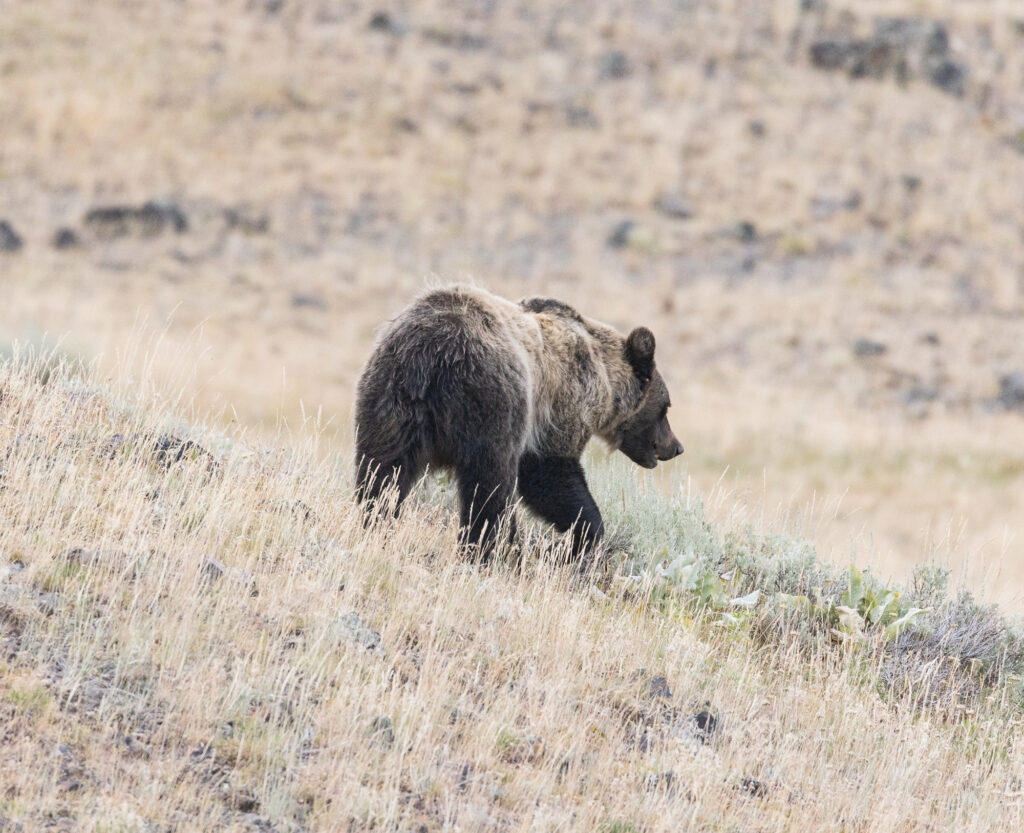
x=640 y=353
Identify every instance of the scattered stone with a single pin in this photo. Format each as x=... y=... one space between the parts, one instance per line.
x=78 y=557
x=171 y=449
x=920 y=393
x=830 y=54
x=527 y=749
x=659 y=689
x=1011 y=391
x=462 y=41
x=581 y=117
x=65 y=238
x=256 y=823
x=864 y=348
x=381 y=733
x=113 y=444
x=308 y=300
x=243 y=799
x=245 y=220
x=386 y=24
x=745 y=231
x=10 y=240
x=620 y=236
x=148 y=220
x=950 y=77
x=900 y=48
x=212 y=571
x=673 y=204
x=352 y=628
x=403 y=124
x=612 y=66
x=758 y=789
x=911 y=182
x=757 y=128
x=932 y=339
x=824 y=207
x=705 y=725
x=304 y=512
x=47 y=603
x=668 y=784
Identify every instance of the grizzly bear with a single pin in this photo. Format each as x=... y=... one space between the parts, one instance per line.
x=507 y=395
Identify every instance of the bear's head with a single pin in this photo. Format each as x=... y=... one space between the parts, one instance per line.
x=645 y=437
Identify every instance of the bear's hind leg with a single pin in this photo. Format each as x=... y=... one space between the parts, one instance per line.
x=555 y=488
x=374 y=479
x=486 y=489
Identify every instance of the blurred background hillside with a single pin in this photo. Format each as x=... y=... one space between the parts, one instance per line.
x=816 y=205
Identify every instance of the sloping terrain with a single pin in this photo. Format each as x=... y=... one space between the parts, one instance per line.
x=814 y=205
x=197 y=633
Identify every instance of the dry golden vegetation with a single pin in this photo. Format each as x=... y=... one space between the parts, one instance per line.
x=198 y=633
x=831 y=264
x=327 y=157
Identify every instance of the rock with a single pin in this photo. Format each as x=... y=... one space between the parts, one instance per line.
x=148 y=220
x=667 y=783
x=581 y=117
x=386 y=24
x=619 y=238
x=381 y=733
x=866 y=348
x=920 y=393
x=705 y=725
x=462 y=41
x=900 y=48
x=751 y=786
x=745 y=231
x=659 y=689
x=673 y=204
x=256 y=823
x=245 y=220
x=830 y=54
x=911 y=182
x=1011 y=391
x=65 y=238
x=78 y=557
x=212 y=571
x=10 y=240
x=353 y=629
x=612 y=66
x=308 y=300
x=757 y=128
x=112 y=445
x=823 y=207
x=950 y=77
x=171 y=449
x=517 y=750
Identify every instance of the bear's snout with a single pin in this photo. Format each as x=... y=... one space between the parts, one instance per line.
x=672 y=449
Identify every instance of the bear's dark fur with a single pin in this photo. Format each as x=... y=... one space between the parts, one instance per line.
x=506 y=394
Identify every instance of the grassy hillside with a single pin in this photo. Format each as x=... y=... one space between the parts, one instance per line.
x=830 y=262
x=197 y=633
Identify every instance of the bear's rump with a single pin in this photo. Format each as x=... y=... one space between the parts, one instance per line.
x=468 y=383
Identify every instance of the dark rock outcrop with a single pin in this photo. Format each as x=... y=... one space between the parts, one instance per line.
x=900 y=48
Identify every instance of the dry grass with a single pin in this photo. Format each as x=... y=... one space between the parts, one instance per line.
x=481 y=141
x=204 y=637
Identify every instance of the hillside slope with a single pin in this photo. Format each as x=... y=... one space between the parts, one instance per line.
x=197 y=633
x=830 y=260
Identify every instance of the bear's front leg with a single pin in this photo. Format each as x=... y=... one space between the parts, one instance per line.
x=556 y=489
